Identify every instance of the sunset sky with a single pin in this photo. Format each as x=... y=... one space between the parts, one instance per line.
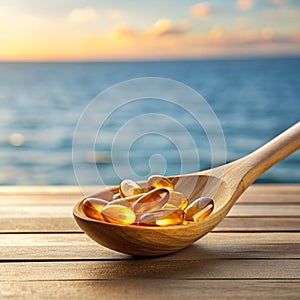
x=68 y=30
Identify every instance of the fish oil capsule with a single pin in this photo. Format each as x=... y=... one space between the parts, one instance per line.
x=121 y=201
x=199 y=209
x=157 y=181
x=151 y=201
x=163 y=217
x=92 y=208
x=118 y=214
x=133 y=199
x=129 y=188
x=127 y=201
x=177 y=200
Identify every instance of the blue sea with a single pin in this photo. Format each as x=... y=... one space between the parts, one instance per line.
x=43 y=140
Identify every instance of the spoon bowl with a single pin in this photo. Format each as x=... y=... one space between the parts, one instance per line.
x=223 y=184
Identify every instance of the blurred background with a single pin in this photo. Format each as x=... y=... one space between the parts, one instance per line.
x=242 y=56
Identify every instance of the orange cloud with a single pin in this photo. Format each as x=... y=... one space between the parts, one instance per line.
x=125 y=43
x=201 y=10
x=34 y=37
x=124 y=32
x=244 y=4
x=217 y=33
x=84 y=14
x=166 y=27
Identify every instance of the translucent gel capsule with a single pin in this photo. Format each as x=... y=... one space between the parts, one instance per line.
x=127 y=201
x=118 y=214
x=92 y=208
x=151 y=201
x=163 y=217
x=129 y=188
x=199 y=209
x=157 y=181
x=121 y=201
x=177 y=200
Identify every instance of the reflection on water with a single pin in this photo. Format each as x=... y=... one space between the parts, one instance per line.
x=41 y=103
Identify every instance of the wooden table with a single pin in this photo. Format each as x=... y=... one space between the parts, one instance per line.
x=253 y=253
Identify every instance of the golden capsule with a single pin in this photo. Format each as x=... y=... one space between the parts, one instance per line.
x=157 y=181
x=129 y=188
x=151 y=201
x=199 y=209
x=177 y=200
x=121 y=201
x=163 y=217
x=118 y=214
x=127 y=201
x=92 y=208
x=133 y=199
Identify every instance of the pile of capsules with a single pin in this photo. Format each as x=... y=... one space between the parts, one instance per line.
x=157 y=205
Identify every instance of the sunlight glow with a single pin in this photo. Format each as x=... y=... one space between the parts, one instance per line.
x=205 y=29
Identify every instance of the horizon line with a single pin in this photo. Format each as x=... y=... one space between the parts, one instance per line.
x=246 y=57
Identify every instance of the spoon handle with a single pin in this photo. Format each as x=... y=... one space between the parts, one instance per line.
x=259 y=161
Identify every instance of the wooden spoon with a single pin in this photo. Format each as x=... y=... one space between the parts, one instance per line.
x=223 y=184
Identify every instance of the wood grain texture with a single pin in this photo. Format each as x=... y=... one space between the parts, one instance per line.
x=245 y=257
x=46 y=190
x=148 y=289
x=46 y=247
x=246 y=224
x=156 y=268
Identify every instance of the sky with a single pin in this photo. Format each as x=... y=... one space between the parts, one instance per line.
x=116 y=30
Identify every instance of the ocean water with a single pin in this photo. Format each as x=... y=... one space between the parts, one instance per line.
x=41 y=103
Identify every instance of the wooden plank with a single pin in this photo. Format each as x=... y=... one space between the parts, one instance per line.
x=27 y=247
x=284 y=199
x=38 y=200
x=38 y=225
x=148 y=289
x=46 y=190
x=274 y=188
x=21 y=225
x=72 y=266
x=268 y=224
x=262 y=210
x=159 y=268
x=36 y=212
